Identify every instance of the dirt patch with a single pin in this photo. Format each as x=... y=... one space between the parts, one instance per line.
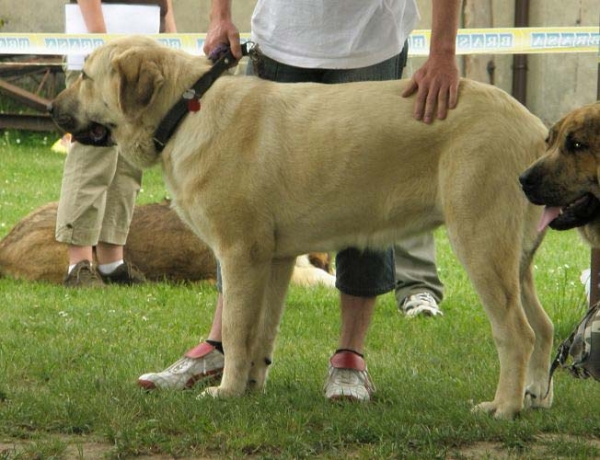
x=70 y=448
x=535 y=450
x=78 y=448
x=75 y=449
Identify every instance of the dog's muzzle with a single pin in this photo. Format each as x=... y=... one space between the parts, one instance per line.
x=558 y=214
x=94 y=134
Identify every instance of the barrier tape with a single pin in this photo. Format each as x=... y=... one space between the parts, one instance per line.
x=469 y=41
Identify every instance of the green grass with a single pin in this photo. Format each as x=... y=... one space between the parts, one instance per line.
x=69 y=361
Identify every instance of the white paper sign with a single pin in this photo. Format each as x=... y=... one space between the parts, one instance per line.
x=119 y=19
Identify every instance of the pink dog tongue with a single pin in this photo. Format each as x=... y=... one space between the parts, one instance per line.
x=550 y=213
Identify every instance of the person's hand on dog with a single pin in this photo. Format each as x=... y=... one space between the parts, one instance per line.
x=436 y=85
x=436 y=82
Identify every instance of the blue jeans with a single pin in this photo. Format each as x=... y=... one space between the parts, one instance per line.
x=358 y=273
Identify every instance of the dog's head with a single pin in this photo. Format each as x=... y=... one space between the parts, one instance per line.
x=124 y=90
x=566 y=180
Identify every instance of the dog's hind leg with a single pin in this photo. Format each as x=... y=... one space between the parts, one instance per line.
x=492 y=258
x=539 y=392
x=262 y=353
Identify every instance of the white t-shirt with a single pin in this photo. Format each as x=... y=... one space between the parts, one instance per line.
x=332 y=34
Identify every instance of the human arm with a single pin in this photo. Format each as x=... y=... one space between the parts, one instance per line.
x=436 y=82
x=91 y=10
x=221 y=29
x=170 y=27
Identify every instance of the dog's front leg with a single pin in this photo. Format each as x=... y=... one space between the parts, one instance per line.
x=262 y=354
x=244 y=285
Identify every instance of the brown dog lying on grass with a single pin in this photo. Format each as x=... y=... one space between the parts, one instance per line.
x=159 y=244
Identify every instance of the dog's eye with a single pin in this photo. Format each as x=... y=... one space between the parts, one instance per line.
x=85 y=76
x=573 y=145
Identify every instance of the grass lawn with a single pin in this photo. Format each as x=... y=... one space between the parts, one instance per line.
x=69 y=361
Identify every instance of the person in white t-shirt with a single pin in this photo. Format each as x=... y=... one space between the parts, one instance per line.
x=330 y=41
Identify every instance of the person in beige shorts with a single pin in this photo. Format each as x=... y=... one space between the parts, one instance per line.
x=99 y=189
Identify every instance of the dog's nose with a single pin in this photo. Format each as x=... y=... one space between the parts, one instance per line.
x=526 y=179
x=530 y=184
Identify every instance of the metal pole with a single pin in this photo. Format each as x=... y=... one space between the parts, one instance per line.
x=594 y=270
x=595 y=257
x=519 y=81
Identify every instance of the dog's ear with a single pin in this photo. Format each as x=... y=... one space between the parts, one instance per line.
x=552 y=135
x=139 y=79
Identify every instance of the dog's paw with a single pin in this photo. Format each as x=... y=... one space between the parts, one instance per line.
x=496 y=410
x=210 y=392
x=539 y=397
x=219 y=393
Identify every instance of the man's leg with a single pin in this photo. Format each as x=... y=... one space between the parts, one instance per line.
x=361 y=277
x=88 y=172
x=202 y=363
x=86 y=175
x=356 y=314
x=120 y=202
x=418 y=287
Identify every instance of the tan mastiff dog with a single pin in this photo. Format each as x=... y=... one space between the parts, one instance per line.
x=243 y=167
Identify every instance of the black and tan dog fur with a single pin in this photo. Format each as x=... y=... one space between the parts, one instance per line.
x=566 y=180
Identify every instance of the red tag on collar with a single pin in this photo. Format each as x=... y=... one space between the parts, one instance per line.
x=193 y=104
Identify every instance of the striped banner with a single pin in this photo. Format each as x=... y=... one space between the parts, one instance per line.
x=469 y=41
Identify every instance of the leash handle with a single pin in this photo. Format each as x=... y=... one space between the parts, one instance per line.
x=224 y=50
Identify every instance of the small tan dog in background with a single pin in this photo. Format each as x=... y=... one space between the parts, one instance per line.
x=266 y=171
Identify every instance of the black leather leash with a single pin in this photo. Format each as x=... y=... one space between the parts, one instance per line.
x=190 y=101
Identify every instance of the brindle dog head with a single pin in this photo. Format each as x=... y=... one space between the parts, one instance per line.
x=566 y=179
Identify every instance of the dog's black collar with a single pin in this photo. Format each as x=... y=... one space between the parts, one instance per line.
x=181 y=108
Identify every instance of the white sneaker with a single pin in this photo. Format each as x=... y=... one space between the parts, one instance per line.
x=348 y=378
x=201 y=363
x=422 y=303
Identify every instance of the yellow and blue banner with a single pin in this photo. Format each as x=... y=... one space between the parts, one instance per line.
x=530 y=40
